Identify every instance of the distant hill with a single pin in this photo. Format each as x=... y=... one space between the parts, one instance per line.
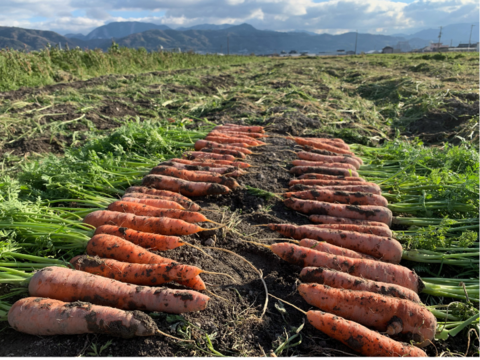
x=121 y=29
x=455 y=33
x=21 y=39
x=205 y=27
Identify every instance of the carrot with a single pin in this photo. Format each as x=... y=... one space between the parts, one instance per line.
x=343 y=197
x=363 y=212
x=155 y=242
x=255 y=129
x=225 y=139
x=40 y=316
x=200 y=144
x=145 y=210
x=360 y=338
x=317 y=182
x=158 y=203
x=333 y=249
x=195 y=283
x=386 y=314
x=364 y=268
x=235 y=153
x=164 y=226
x=222 y=140
x=311 y=149
x=233 y=132
x=213 y=163
x=319 y=145
x=155 y=201
x=323 y=164
x=300 y=170
x=217 y=170
x=239 y=135
x=71 y=285
x=195 y=176
x=361 y=187
x=387 y=249
x=203 y=155
x=375 y=230
x=235 y=173
x=328 y=159
x=331 y=177
x=332 y=142
x=184 y=187
x=323 y=219
x=182 y=200
x=340 y=280
x=140 y=274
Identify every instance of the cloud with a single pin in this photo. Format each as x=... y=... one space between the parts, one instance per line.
x=333 y=16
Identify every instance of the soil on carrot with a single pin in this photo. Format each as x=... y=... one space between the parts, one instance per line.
x=237 y=321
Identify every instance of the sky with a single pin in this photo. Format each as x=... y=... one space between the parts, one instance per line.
x=319 y=16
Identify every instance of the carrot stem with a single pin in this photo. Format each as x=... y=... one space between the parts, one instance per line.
x=172 y=337
x=286 y=302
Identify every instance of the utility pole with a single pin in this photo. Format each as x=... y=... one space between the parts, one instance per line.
x=470 y=38
x=356 y=37
x=228 y=44
x=439 y=37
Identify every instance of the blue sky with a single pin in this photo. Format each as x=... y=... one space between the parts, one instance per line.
x=320 y=16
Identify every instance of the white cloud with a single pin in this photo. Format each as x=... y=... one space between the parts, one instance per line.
x=332 y=16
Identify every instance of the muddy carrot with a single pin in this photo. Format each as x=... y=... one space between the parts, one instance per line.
x=216 y=170
x=164 y=226
x=334 y=142
x=333 y=249
x=235 y=153
x=362 y=212
x=212 y=163
x=42 y=317
x=387 y=249
x=375 y=230
x=330 y=153
x=222 y=140
x=360 y=338
x=184 y=187
x=239 y=135
x=203 y=155
x=195 y=283
x=155 y=242
x=323 y=164
x=200 y=144
x=361 y=187
x=340 y=280
x=383 y=313
x=317 y=182
x=145 y=190
x=319 y=145
x=331 y=177
x=157 y=201
x=343 y=197
x=244 y=128
x=140 y=274
x=328 y=159
x=300 y=170
x=146 y=210
x=71 y=285
x=233 y=132
x=205 y=177
x=324 y=219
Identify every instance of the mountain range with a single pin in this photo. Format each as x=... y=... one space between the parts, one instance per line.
x=226 y=38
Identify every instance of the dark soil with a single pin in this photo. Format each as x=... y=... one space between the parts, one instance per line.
x=234 y=325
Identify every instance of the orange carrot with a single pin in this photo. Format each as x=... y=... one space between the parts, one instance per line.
x=387 y=249
x=363 y=212
x=226 y=139
x=146 y=190
x=184 y=187
x=386 y=314
x=239 y=135
x=323 y=219
x=361 y=187
x=323 y=164
x=158 y=203
x=189 y=205
x=155 y=242
x=212 y=163
x=375 y=230
x=146 y=210
x=42 y=317
x=164 y=226
x=334 y=142
x=328 y=159
x=331 y=177
x=300 y=170
x=70 y=285
x=235 y=153
x=319 y=145
x=205 y=177
x=222 y=140
x=200 y=144
x=217 y=170
x=319 y=183
x=195 y=283
x=340 y=280
x=343 y=197
x=311 y=149
x=255 y=129
x=233 y=132
x=203 y=155
x=360 y=338
x=140 y=274
x=333 y=249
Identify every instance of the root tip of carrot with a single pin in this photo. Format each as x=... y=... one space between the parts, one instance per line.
x=173 y=337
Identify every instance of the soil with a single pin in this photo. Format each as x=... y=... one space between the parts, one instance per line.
x=233 y=322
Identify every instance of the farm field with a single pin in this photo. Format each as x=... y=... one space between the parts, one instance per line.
x=71 y=148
